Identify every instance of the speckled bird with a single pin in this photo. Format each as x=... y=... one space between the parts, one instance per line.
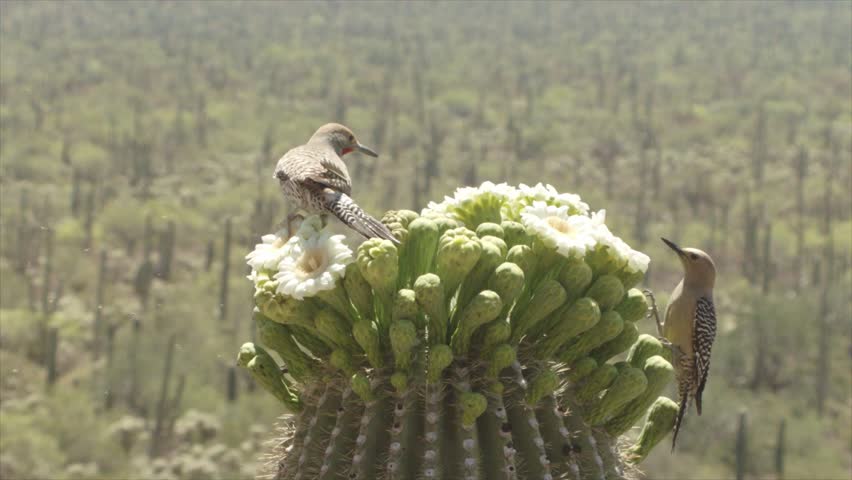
x=314 y=179
x=690 y=326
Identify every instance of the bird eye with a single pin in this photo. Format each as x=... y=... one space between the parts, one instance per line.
x=693 y=256
x=351 y=138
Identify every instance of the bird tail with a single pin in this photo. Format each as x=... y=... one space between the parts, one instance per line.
x=698 y=401
x=344 y=208
x=684 y=400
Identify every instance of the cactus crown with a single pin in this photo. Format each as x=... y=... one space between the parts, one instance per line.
x=476 y=348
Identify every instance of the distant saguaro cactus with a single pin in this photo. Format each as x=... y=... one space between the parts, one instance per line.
x=466 y=352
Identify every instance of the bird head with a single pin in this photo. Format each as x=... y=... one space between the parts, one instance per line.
x=340 y=138
x=699 y=269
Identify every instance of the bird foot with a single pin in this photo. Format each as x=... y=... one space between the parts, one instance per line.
x=292 y=223
x=653 y=311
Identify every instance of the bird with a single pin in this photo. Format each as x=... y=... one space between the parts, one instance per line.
x=315 y=180
x=690 y=326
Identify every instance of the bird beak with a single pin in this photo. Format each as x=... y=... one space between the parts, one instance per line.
x=366 y=150
x=673 y=246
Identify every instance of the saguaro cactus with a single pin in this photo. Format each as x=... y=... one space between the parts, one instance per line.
x=476 y=349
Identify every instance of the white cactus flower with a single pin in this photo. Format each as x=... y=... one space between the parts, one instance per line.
x=570 y=235
x=548 y=194
x=315 y=261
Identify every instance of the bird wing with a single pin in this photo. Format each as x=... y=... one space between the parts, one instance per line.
x=323 y=166
x=702 y=342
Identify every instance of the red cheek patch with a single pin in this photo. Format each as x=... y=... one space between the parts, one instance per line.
x=346 y=150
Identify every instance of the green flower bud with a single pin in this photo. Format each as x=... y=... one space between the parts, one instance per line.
x=500 y=358
x=367 y=336
x=630 y=278
x=247 y=352
x=544 y=384
x=596 y=382
x=429 y=293
x=489 y=228
x=403 y=338
x=337 y=300
x=658 y=373
x=581 y=369
x=334 y=328
x=575 y=277
x=607 y=291
x=472 y=406
x=399 y=381
x=546 y=298
x=341 y=360
x=458 y=252
x=646 y=347
x=278 y=337
x=498 y=242
x=361 y=386
x=496 y=333
x=405 y=305
x=570 y=321
x=508 y=281
x=661 y=420
x=358 y=290
x=379 y=263
x=514 y=234
x=307 y=338
x=621 y=343
x=440 y=357
x=266 y=372
x=629 y=384
x=633 y=307
x=523 y=257
x=482 y=309
x=423 y=237
x=603 y=260
x=397 y=222
x=489 y=258
x=609 y=326
x=443 y=222
x=286 y=310
x=407 y=216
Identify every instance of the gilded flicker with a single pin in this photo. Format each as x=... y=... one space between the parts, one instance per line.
x=690 y=326
x=315 y=180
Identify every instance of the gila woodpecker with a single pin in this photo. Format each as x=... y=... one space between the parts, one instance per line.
x=690 y=326
x=314 y=179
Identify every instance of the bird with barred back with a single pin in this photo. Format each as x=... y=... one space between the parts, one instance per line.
x=690 y=326
x=314 y=179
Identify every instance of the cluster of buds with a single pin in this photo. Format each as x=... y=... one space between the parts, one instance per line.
x=479 y=347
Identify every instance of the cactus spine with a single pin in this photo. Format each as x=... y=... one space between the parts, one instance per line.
x=466 y=352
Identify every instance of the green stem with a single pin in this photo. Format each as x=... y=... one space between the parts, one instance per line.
x=317 y=437
x=289 y=466
x=557 y=441
x=432 y=451
x=406 y=430
x=591 y=464
x=342 y=437
x=611 y=466
x=495 y=439
x=373 y=433
x=466 y=434
x=526 y=436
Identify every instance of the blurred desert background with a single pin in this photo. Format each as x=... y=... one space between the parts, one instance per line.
x=138 y=139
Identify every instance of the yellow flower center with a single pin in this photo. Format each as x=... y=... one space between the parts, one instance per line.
x=560 y=225
x=311 y=262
